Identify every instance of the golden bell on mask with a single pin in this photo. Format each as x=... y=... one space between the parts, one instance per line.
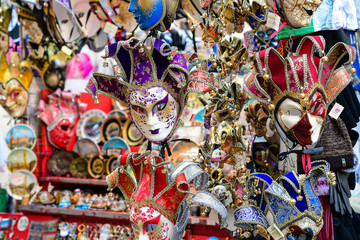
x=292 y=202
x=299 y=198
x=266 y=77
x=324 y=59
x=205 y=15
x=302 y=95
x=271 y=107
x=105 y=64
x=352 y=70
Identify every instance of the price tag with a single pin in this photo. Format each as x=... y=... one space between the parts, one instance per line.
x=66 y=50
x=273 y=21
x=111 y=29
x=336 y=111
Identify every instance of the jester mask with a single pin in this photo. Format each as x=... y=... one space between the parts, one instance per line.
x=298 y=89
x=15 y=79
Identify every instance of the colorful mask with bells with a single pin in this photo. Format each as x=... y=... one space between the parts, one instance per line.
x=158 y=14
x=5 y=18
x=211 y=29
x=59 y=113
x=150 y=81
x=298 y=89
x=296 y=13
x=15 y=79
x=160 y=200
x=257 y=116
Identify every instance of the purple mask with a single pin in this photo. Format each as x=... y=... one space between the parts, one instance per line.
x=151 y=81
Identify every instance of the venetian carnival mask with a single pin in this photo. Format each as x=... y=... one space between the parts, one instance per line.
x=298 y=97
x=296 y=13
x=151 y=14
x=154 y=113
x=15 y=79
x=149 y=224
x=59 y=113
x=152 y=85
x=160 y=200
x=257 y=116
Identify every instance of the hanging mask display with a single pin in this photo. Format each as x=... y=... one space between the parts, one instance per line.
x=15 y=80
x=160 y=200
x=5 y=17
x=59 y=113
x=50 y=63
x=298 y=93
x=193 y=10
x=225 y=104
x=157 y=14
x=153 y=86
x=291 y=200
x=296 y=14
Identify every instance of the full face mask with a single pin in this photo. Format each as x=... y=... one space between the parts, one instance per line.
x=59 y=113
x=299 y=92
x=296 y=13
x=160 y=200
x=151 y=81
x=157 y=14
x=15 y=79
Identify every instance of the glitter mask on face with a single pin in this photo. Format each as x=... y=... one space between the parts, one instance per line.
x=154 y=114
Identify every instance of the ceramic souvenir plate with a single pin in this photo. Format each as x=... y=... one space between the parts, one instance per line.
x=120 y=114
x=96 y=167
x=86 y=148
x=22 y=183
x=59 y=162
x=111 y=164
x=116 y=147
x=21 y=159
x=110 y=128
x=90 y=124
x=131 y=134
x=20 y=135
x=78 y=167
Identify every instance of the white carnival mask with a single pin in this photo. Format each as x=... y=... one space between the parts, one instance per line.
x=154 y=112
x=149 y=224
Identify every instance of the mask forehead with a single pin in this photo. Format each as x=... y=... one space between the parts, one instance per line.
x=147 y=98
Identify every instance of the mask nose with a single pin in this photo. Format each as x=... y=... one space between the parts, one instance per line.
x=132 y=7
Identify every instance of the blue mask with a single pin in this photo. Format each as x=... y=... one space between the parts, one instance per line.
x=148 y=13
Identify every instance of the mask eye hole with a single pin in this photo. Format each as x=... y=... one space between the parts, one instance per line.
x=293 y=112
x=15 y=94
x=135 y=227
x=150 y=227
x=159 y=107
x=138 y=109
x=64 y=127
